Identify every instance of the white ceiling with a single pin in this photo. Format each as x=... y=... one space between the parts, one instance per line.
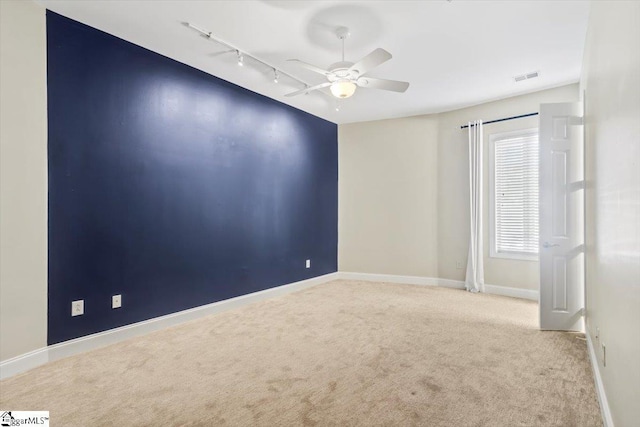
x=454 y=54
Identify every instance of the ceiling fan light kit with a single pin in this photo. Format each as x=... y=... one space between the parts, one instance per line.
x=343 y=89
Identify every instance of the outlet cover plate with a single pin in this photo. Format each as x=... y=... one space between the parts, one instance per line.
x=77 y=307
x=116 y=301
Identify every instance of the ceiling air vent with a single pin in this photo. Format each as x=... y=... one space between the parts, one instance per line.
x=527 y=76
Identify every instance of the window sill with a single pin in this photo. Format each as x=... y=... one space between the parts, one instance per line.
x=515 y=256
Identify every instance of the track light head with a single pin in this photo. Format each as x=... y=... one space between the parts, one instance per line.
x=240 y=58
x=275 y=76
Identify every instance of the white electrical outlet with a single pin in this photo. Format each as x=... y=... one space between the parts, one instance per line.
x=308 y=264
x=116 y=301
x=77 y=307
x=459 y=265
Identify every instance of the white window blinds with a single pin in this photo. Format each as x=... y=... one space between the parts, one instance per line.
x=516 y=194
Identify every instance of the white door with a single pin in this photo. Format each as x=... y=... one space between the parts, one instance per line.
x=561 y=217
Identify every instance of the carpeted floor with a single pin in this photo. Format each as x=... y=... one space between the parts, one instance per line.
x=344 y=353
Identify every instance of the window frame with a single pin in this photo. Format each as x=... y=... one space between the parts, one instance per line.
x=493 y=253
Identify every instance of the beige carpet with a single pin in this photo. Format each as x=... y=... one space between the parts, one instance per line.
x=344 y=353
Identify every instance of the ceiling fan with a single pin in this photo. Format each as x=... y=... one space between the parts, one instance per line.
x=344 y=77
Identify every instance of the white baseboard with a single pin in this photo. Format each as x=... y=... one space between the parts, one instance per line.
x=602 y=396
x=23 y=362
x=405 y=280
x=388 y=278
x=450 y=283
x=511 y=292
x=432 y=281
x=41 y=356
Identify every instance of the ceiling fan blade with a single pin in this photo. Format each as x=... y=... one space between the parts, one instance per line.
x=309 y=89
x=370 y=61
x=310 y=67
x=383 y=84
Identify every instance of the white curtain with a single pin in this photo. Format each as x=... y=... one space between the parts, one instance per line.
x=474 y=281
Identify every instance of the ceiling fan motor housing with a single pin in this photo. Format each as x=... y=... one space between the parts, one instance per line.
x=340 y=71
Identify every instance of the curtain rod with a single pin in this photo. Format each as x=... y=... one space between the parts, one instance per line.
x=502 y=120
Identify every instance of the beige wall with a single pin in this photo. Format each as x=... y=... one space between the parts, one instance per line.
x=412 y=174
x=611 y=80
x=453 y=183
x=388 y=197
x=23 y=178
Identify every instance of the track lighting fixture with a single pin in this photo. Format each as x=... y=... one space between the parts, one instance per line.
x=277 y=73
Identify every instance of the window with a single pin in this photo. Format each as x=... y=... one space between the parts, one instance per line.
x=514 y=194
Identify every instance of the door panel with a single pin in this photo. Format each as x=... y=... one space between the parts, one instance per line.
x=559 y=210
x=561 y=217
x=559 y=284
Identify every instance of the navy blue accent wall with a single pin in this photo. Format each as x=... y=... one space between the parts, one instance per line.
x=172 y=187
